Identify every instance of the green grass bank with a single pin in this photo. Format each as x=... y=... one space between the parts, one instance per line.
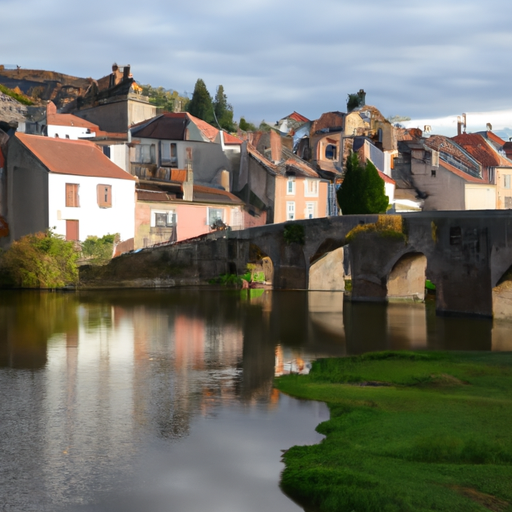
x=407 y=432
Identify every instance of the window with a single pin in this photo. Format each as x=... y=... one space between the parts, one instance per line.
x=169 y=154
x=165 y=219
x=310 y=210
x=290 y=210
x=331 y=152
x=507 y=180
x=290 y=186
x=144 y=153
x=104 y=193
x=508 y=203
x=311 y=188
x=433 y=173
x=72 y=195
x=214 y=215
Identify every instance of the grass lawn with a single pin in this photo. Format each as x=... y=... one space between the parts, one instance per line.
x=408 y=432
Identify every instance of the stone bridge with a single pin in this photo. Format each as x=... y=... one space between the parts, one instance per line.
x=465 y=254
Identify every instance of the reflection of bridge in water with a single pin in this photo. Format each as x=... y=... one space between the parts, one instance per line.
x=465 y=254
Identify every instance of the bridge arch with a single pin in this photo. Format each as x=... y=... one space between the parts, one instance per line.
x=326 y=266
x=502 y=296
x=327 y=273
x=262 y=261
x=406 y=279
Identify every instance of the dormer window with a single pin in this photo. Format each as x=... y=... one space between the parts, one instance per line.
x=331 y=152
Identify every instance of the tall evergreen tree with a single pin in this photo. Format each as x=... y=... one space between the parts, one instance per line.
x=362 y=190
x=201 y=103
x=223 y=110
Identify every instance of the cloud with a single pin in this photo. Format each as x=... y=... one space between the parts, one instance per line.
x=416 y=59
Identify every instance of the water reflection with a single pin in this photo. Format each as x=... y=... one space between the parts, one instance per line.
x=96 y=387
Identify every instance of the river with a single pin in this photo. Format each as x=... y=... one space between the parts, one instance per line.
x=140 y=400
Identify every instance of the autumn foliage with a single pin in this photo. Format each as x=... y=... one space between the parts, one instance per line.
x=40 y=260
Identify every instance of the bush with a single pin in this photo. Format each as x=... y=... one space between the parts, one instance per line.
x=99 y=250
x=294 y=233
x=40 y=260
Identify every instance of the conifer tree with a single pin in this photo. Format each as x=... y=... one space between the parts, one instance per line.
x=201 y=103
x=223 y=110
x=362 y=190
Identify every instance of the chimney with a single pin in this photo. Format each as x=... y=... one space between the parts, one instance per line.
x=50 y=108
x=126 y=72
x=275 y=146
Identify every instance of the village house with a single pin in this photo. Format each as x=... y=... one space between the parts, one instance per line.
x=496 y=168
x=69 y=186
x=185 y=169
x=437 y=174
x=162 y=216
x=274 y=180
x=114 y=102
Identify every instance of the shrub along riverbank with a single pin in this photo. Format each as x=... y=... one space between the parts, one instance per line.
x=407 y=432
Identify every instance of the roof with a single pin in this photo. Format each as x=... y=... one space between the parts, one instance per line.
x=214 y=195
x=70 y=120
x=164 y=126
x=231 y=139
x=450 y=147
x=300 y=168
x=173 y=126
x=209 y=131
x=298 y=117
x=476 y=145
x=386 y=178
x=73 y=157
x=462 y=174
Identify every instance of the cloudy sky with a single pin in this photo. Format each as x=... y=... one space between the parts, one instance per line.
x=413 y=58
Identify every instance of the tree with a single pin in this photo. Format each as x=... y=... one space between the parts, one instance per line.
x=223 y=110
x=201 y=105
x=246 y=126
x=362 y=190
x=165 y=99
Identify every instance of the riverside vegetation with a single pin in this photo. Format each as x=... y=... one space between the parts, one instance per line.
x=408 y=432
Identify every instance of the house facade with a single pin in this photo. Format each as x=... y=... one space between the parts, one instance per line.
x=277 y=182
x=161 y=217
x=174 y=141
x=68 y=186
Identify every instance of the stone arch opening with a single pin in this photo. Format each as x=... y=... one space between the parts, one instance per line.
x=407 y=277
x=502 y=296
x=327 y=270
x=263 y=263
x=327 y=273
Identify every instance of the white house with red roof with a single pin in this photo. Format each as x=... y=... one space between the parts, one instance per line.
x=68 y=126
x=69 y=186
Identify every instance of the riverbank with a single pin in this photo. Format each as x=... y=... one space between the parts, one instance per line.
x=408 y=432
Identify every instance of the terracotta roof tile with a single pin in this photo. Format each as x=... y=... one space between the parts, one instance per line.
x=231 y=139
x=206 y=194
x=450 y=147
x=74 y=157
x=209 y=131
x=298 y=117
x=301 y=167
x=476 y=145
x=386 y=178
x=70 y=120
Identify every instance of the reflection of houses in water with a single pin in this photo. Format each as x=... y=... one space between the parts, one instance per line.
x=289 y=361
